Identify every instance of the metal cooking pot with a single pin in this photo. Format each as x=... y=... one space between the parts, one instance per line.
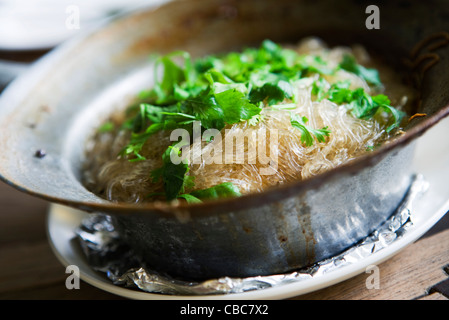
x=47 y=115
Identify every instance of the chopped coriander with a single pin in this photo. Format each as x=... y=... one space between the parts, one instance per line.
x=220 y=90
x=372 y=147
x=223 y=190
x=319 y=89
x=272 y=93
x=169 y=89
x=235 y=106
x=307 y=132
x=361 y=104
x=189 y=198
x=106 y=127
x=173 y=175
x=370 y=75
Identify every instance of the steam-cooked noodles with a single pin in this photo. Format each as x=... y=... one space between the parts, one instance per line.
x=273 y=152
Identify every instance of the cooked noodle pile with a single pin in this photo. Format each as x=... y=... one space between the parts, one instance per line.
x=280 y=157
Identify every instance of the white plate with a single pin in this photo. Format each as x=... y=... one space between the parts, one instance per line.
x=431 y=160
x=43 y=24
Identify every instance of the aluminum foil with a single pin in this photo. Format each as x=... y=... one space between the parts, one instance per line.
x=107 y=253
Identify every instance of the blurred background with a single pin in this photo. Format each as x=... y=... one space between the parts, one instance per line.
x=29 y=28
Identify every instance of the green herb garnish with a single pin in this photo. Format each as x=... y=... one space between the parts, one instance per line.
x=220 y=90
x=370 y=75
x=361 y=104
x=173 y=175
x=106 y=127
x=308 y=133
x=223 y=190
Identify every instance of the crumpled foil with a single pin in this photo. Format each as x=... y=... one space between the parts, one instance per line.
x=106 y=253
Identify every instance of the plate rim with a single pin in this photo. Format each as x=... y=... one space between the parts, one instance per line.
x=283 y=291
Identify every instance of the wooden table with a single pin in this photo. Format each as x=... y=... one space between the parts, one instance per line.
x=30 y=270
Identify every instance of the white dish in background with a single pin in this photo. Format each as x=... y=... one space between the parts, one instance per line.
x=43 y=24
x=431 y=160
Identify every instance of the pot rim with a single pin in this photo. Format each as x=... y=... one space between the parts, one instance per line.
x=26 y=81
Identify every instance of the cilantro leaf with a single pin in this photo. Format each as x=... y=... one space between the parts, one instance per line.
x=370 y=75
x=381 y=99
x=272 y=92
x=339 y=92
x=189 y=198
x=214 y=75
x=361 y=104
x=176 y=181
x=307 y=133
x=203 y=64
x=205 y=108
x=313 y=64
x=173 y=76
x=384 y=103
x=365 y=107
x=319 y=89
x=138 y=140
x=149 y=113
x=236 y=107
x=173 y=175
x=270 y=47
x=106 y=127
x=160 y=118
x=223 y=190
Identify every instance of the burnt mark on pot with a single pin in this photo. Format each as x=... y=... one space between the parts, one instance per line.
x=285 y=235
x=40 y=153
x=305 y=221
x=247 y=229
x=283 y=238
x=37 y=118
